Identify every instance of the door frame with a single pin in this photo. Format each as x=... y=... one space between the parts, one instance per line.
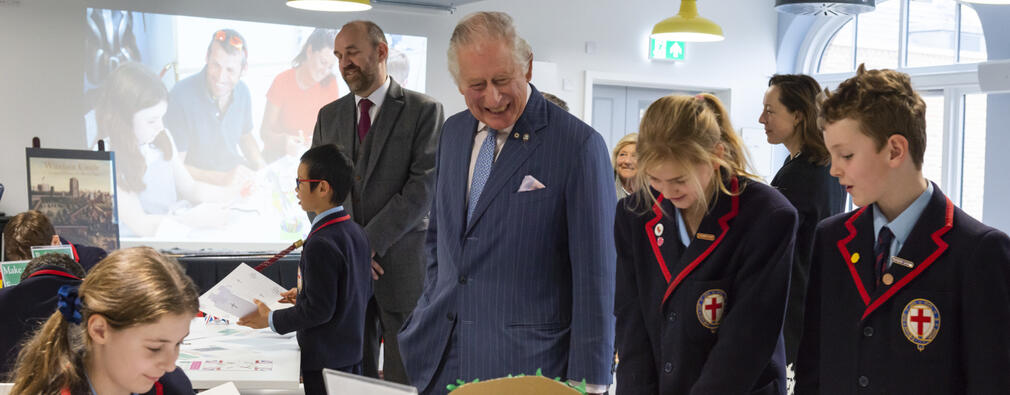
x=639 y=81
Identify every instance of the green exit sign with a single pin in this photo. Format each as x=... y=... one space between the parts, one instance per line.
x=666 y=50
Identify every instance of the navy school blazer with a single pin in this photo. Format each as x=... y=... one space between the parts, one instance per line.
x=942 y=325
x=25 y=307
x=705 y=319
x=336 y=284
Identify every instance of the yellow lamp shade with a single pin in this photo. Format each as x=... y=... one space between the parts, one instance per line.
x=331 y=5
x=687 y=25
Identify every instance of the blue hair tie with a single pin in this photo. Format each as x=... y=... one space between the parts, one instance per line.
x=70 y=304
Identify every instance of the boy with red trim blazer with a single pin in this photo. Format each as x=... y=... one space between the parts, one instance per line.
x=334 y=275
x=908 y=295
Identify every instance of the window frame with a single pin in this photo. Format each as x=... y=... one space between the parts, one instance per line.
x=955 y=80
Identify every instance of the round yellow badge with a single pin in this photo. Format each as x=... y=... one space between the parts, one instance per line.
x=855 y=258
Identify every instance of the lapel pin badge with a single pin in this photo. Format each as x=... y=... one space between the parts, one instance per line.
x=515 y=135
x=903 y=262
x=526 y=137
x=658 y=230
x=659 y=241
x=855 y=258
x=887 y=279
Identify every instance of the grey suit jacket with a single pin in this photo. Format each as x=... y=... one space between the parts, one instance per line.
x=393 y=181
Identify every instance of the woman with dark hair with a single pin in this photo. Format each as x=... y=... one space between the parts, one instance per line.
x=790 y=119
x=296 y=95
x=151 y=178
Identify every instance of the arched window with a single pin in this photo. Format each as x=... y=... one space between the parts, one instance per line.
x=937 y=42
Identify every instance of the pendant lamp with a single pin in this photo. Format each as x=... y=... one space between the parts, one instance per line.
x=687 y=26
x=331 y=5
x=823 y=7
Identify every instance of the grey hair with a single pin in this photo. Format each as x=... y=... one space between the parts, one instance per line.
x=486 y=25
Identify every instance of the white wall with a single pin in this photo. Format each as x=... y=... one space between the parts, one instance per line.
x=42 y=52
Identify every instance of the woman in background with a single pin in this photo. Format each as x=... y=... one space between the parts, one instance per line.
x=790 y=119
x=151 y=177
x=625 y=161
x=296 y=95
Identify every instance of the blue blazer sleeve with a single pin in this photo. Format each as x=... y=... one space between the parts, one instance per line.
x=322 y=268
x=590 y=213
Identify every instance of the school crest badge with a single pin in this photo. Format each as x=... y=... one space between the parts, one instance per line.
x=920 y=321
x=710 y=307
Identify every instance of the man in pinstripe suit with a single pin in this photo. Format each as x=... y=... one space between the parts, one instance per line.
x=520 y=246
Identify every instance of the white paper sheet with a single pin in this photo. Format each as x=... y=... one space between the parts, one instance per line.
x=223 y=389
x=232 y=298
x=340 y=383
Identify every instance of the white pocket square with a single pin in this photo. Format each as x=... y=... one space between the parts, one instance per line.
x=530 y=183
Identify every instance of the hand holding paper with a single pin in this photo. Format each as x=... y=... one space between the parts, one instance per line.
x=232 y=298
x=257 y=319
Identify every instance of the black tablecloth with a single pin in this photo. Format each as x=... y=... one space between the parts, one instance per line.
x=206 y=271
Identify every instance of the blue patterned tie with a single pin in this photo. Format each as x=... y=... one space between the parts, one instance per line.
x=481 y=171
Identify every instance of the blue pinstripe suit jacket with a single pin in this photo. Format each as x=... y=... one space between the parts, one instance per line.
x=529 y=282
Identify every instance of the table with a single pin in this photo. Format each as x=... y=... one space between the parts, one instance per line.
x=256 y=360
x=208 y=270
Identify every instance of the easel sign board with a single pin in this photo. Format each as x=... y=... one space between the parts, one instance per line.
x=76 y=190
x=340 y=383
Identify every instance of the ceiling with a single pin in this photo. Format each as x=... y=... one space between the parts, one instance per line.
x=445 y=5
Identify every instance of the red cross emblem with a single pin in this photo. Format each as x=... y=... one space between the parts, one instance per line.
x=920 y=322
x=710 y=308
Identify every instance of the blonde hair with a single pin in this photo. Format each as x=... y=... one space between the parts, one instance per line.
x=628 y=139
x=130 y=287
x=688 y=131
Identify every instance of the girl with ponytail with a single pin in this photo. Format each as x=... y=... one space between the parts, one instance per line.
x=118 y=333
x=704 y=253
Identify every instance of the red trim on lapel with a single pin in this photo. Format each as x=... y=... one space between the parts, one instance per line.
x=844 y=249
x=724 y=224
x=159 y=389
x=941 y=246
x=650 y=230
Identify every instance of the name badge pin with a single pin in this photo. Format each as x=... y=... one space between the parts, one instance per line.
x=903 y=262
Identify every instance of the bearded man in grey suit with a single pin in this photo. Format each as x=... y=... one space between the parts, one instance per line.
x=391 y=134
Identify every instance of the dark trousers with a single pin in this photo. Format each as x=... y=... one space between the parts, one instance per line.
x=382 y=325
x=313 y=381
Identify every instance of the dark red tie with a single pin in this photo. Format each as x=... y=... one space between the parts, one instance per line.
x=364 y=121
